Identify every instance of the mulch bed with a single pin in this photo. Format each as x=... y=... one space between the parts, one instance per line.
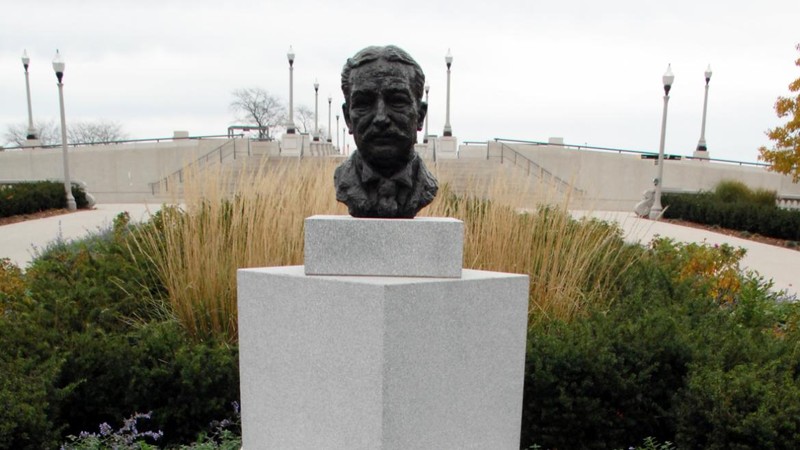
x=783 y=243
x=37 y=215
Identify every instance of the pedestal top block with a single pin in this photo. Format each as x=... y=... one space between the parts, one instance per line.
x=419 y=247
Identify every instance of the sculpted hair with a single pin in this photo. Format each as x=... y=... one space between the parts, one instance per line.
x=388 y=53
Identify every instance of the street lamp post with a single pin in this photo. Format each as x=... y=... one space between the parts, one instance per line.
x=58 y=67
x=448 y=130
x=701 y=145
x=427 y=116
x=338 y=147
x=329 y=119
x=316 y=111
x=655 y=211
x=290 y=121
x=31 y=131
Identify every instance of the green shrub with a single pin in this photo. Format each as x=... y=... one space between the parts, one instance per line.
x=705 y=208
x=731 y=191
x=764 y=197
x=94 y=282
x=670 y=362
x=153 y=368
x=35 y=196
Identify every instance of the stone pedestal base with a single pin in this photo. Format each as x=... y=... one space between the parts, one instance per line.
x=700 y=154
x=381 y=342
x=381 y=362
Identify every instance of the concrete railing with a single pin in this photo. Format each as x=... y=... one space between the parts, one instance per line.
x=789 y=201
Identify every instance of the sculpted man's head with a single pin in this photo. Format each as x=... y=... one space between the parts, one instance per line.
x=383 y=107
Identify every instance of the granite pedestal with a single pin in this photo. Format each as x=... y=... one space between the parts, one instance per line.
x=380 y=362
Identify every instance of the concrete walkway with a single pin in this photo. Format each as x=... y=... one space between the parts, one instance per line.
x=20 y=241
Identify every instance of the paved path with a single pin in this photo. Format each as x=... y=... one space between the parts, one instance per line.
x=20 y=241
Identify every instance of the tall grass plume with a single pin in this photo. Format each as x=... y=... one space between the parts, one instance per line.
x=255 y=218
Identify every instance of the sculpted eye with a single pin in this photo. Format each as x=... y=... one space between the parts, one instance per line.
x=399 y=100
x=360 y=101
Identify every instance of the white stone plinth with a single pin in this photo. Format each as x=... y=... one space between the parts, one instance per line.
x=291 y=144
x=447 y=147
x=371 y=363
x=419 y=247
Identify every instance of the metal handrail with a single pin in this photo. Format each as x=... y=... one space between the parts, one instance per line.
x=634 y=152
x=201 y=159
x=128 y=141
x=542 y=171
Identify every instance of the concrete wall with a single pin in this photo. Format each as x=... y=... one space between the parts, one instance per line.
x=113 y=173
x=609 y=181
x=615 y=181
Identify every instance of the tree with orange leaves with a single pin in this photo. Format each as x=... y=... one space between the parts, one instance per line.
x=785 y=156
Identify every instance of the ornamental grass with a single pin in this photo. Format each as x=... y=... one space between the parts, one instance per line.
x=254 y=218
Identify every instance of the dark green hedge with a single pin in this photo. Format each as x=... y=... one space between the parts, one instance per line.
x=35 y=196
x=89 y=341
x=668 y=363
x=706 y=208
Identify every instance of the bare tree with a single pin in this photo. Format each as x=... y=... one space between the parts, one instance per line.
x=256 y=106
x=83 y=132
x=48 y=131
x=305 y=118
x=95 y=132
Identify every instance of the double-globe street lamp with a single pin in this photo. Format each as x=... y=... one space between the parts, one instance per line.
x=31 y=130
x=667 y=79
x=58 y=67
x=290 y=120
x=701 y=145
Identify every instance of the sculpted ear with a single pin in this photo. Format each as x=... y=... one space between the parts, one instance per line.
x=421 y=113
x=346 y=115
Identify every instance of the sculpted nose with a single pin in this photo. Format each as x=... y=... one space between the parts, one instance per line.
x=380 y=113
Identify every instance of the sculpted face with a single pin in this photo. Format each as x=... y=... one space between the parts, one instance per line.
x=383 y=114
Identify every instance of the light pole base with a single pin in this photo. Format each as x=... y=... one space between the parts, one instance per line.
x=656 y=213
x=32 y=142
x=291 y=144
x=447 y=147
x=700 y=153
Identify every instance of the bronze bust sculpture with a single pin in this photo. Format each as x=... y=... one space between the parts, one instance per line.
x=383 y=109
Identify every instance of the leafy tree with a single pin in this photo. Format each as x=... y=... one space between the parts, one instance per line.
x=256 y=106
x=785 y=156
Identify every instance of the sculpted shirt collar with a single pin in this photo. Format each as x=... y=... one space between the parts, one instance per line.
x=404 y=177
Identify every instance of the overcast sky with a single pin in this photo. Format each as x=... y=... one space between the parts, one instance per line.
x=587 y=71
